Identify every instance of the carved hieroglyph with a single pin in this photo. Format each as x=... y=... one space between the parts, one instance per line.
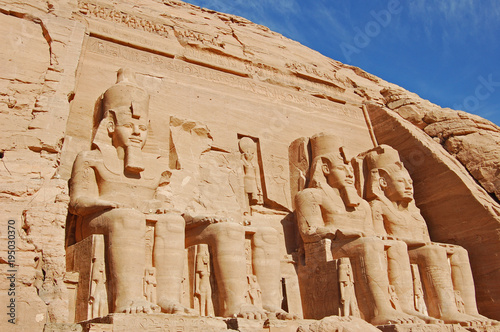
x=447 y=278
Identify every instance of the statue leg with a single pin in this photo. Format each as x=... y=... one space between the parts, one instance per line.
x=169 y=262
x=437 y=281
x=266 y=265
x=227 y=241
x=463 y=281
x=124 y=230
x=461 y=274
x=400 y=277
x=368 y=257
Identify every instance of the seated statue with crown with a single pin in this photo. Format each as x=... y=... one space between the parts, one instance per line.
x=331 y=208
x=444 y=269
x=113 y=192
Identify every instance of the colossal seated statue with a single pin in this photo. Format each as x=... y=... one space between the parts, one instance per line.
x=112 y=192
x=444 y=268
x=330 y=208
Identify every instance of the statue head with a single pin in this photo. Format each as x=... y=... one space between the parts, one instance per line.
x=248 y=148
x=331 y=168
x=330 y=165
x=387 y=176
x=122 y=119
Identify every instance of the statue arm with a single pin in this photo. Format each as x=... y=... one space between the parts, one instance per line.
x=84 y=192
x=310 y=219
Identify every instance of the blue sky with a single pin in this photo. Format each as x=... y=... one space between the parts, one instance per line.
x=446 y=51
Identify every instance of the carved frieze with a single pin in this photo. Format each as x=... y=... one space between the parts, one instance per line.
x=111 y=14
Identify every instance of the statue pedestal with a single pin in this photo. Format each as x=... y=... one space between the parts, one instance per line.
x=424 y=328
x=154 y=322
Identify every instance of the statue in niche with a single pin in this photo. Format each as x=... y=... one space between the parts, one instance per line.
x=203 y=289
x=98 y=302
x=349 y=304
x=251 y=180
x=418 y=292
x=150 y=284
x=112 y=192
x=331 y=208
x=390 y=192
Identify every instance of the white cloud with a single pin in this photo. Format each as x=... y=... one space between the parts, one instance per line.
x=456 y=18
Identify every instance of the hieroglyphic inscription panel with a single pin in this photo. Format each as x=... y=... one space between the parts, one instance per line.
x=164 y=36
x=160 y=62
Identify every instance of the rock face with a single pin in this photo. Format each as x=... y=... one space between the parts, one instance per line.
x=232 y=107
x=473 y=140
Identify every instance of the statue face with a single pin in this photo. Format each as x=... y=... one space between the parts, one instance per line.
x=248 y=155
x=128 y=131
x=339 y=175
x=398 y=186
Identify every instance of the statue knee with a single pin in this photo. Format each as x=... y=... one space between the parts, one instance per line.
x=170 y=222
x=460 y=255
x=228 y=232
x=433 y=253
x=371 y=244
x=127 y=219
x=399 y=246
x=266 y=236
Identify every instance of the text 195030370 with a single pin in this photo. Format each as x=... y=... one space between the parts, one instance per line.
x=12 y=271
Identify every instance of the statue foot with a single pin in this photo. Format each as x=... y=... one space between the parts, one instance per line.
x=465 y=319
x=425 y=318
x=395 y=317
x=173 y=307
x=138 y=306
x=487 y=320
x=279 y=313
x=249 y=311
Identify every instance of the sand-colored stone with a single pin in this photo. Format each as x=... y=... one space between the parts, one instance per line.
x=467 y=219
x=214 y=79
x=448 y=291
x=474 y=141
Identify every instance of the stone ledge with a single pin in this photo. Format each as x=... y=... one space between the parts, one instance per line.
x=156 y=323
